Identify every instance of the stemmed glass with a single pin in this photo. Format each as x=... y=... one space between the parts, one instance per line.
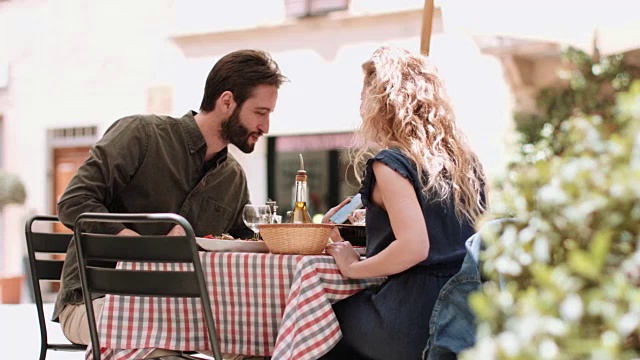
x=359 y=216
x=252 y=215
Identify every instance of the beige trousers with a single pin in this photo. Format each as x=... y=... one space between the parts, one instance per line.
x=75 y=327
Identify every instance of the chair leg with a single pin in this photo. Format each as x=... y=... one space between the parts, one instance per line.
x=189 y=357
x=175 y=357
x=43 y=352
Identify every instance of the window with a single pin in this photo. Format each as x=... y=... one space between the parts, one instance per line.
x=74 y=136
x=330 y=177
x=304 y=8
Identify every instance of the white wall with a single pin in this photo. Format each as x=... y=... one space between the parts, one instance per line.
x=72 y=63
x=482 y=99
x=87 y=63
x=322 y=59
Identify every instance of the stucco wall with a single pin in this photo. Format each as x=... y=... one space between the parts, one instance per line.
x=322 y=58
x=72 y=63
x=87 y=63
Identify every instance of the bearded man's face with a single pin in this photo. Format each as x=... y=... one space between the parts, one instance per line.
x=250 y=120
x=236 y=133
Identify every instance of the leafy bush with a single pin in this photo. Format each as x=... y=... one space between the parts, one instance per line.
x=570 y=261
x=590 y=85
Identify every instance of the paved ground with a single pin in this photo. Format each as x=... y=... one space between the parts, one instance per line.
x=20 y=334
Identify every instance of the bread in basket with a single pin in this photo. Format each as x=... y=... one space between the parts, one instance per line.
x=301 y=239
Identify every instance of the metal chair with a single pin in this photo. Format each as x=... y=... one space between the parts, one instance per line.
x=144 y=248
x=47 y=270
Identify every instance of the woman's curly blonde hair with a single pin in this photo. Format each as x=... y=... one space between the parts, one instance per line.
x=405 y=106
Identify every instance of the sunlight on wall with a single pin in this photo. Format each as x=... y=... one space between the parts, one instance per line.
x=198 y=15
x=569 y=22
x=324 y=90
x=481 y=97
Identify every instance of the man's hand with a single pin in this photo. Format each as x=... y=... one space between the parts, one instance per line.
x=177 y=231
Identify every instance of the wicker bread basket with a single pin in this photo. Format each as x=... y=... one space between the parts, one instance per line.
x=301 y=239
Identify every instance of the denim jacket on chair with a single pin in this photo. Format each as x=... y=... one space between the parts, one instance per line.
x=452 y=328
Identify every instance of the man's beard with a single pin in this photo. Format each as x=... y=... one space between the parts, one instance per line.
x=236 y=133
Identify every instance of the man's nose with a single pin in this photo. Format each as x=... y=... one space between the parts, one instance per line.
x=263 y=127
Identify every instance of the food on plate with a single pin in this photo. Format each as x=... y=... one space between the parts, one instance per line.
x=221 y=237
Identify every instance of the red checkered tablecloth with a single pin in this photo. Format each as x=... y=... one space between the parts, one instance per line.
x=263 y=304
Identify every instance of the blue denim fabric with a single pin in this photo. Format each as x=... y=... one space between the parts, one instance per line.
x=452 y=327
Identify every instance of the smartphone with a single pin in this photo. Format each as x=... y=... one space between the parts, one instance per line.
x=343 y=214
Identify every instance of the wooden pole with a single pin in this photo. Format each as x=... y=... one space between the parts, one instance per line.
x=427 y=24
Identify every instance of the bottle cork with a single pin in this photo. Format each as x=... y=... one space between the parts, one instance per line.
x=301 y=175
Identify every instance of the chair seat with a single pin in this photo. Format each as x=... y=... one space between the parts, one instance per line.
x=68 y=347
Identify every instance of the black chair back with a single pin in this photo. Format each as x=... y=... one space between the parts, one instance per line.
x=40 y=243
x=143 y=248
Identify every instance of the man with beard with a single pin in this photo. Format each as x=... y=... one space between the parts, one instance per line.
x=152 y=164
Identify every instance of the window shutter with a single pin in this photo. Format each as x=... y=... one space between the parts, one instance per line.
x=296 y=8
x=319 y=7
x=301 y=8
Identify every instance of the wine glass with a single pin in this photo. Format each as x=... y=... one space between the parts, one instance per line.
x=252 y=215
x=359 y=216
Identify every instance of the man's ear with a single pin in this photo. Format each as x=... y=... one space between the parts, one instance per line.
x=226 y=102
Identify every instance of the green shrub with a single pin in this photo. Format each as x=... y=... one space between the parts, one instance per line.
x=590 y=86
x=570 y=261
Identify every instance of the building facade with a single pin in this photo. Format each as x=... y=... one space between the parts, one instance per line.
x=72 y=67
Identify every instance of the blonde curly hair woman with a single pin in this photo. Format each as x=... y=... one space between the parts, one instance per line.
x=423 y=191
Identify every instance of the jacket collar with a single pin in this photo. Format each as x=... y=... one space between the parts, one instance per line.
x=195 y=139
x=192 y=132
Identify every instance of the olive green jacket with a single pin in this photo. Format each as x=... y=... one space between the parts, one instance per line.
x=147 y=164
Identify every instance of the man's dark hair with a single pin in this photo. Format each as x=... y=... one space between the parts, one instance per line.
x=240 y=72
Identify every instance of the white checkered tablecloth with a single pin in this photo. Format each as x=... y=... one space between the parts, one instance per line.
x=263 y=304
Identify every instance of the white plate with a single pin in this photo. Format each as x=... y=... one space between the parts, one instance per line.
x=232 y=245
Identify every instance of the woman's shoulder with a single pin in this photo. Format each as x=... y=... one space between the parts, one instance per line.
x=395 y=159
x=390 y=153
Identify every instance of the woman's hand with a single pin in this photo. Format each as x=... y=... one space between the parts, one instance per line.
x=333 y=210
x=345 y=256
x=335 y=234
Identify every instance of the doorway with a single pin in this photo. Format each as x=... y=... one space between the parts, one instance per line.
x=66 y=162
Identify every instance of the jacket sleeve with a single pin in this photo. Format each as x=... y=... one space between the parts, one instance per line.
x=112 y=162
x=239 y=229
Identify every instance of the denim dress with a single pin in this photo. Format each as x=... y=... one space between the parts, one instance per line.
x=392 y=321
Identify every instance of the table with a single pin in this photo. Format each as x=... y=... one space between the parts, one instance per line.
x=263 y=304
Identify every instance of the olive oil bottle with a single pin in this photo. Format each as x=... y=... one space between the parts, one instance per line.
x=300 y=212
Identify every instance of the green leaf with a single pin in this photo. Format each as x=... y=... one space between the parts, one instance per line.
x=481 y=305
x=582 y=264
x=600 y=247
